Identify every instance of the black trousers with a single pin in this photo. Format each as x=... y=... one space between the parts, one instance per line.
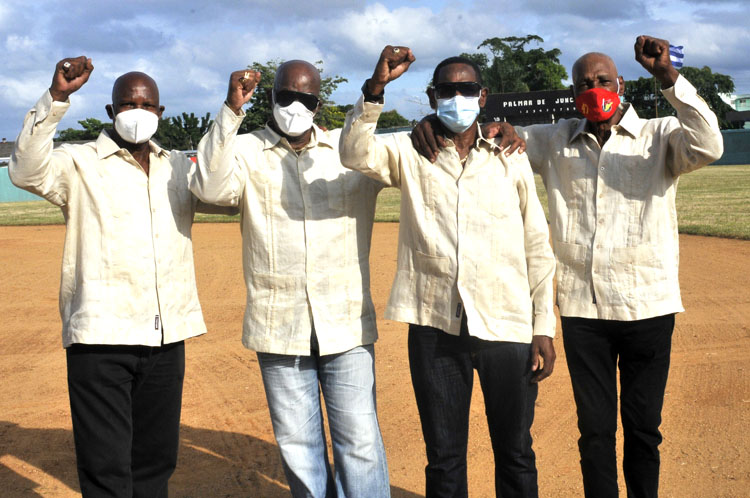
x=125 y=402
x=442 y=371
x=641 y=348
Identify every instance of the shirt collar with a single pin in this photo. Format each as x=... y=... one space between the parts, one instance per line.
x=106 y=147
x=271 y=138
x=480 y=140
x=630 y=122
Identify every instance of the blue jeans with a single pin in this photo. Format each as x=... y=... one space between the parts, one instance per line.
x=347 y=380
x=442 y=372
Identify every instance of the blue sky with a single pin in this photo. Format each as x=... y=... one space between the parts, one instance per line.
x=191 y=46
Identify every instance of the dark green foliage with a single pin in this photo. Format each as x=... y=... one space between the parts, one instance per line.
x=644 y=92
x=515 y=69
x=91 y=129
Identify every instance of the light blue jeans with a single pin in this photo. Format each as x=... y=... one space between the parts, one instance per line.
x=347 y=380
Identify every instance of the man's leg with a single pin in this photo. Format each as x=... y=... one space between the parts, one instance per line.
x=591 y=356
x=442 y=376
x=293 y=394
x=348 y=384
x=100 y=380
x=644 y=364
x=157 y=403
x=509 y=395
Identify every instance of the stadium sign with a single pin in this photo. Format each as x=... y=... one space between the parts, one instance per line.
x=527 y=108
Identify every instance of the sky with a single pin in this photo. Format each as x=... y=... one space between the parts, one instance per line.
x=190 y=47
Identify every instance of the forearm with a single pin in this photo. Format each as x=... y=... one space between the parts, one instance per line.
x=540 y=261
x=697 y=141
x=32 y=166
x=215 y=177
x=361 y=151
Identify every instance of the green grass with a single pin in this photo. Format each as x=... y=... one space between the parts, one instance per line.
x=711 y=201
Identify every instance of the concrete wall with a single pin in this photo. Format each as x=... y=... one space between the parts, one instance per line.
x=11 y=193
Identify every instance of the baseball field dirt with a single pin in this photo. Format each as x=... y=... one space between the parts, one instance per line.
x=227 y=446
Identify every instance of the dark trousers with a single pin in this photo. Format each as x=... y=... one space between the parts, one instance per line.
x=442 y=372
x=125 y=402
x=593 y=349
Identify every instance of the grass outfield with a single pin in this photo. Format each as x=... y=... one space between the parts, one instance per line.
x=711 y=201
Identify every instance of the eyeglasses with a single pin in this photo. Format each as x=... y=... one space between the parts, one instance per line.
x=465 y=88
x=285 y=98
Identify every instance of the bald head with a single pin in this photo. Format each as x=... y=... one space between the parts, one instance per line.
x=134 y=79
x=134 y=90
x=595 y=70
x=298 y=76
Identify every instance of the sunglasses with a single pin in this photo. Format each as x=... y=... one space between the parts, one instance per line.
x=465 y=88
x=285 y=98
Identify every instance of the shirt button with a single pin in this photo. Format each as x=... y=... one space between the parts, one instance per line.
x=602 y=168
x=601 y=221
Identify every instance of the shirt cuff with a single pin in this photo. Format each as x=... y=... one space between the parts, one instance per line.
x=228 y=122
x=46 y=107
x=367 y=112
x=681 y=91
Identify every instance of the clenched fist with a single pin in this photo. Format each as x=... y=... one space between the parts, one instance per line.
x=653 y=55
x=70 y=75
x=242 y=85
x=393 y=62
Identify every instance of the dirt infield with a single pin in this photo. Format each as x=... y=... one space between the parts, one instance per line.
x=227 y=446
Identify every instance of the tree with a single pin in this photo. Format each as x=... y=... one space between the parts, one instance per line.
x=643 y=93
x=328 y=117
x=515 y=69
x=392 y=119
x=91 y=129
x=182 y=132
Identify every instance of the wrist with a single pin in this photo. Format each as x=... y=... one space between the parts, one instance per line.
x=373 y=92
x=236 y=110
x=58 y=96
x=668 y=78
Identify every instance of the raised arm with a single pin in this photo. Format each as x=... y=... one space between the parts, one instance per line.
x=217 y=175
x=696 y=141
x=359 y=149
x=34 y=165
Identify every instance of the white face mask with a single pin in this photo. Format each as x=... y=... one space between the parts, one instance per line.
x=136 y=125
x=458 y=113
x=294 y=119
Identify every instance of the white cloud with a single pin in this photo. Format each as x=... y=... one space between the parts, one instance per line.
x=191 y=46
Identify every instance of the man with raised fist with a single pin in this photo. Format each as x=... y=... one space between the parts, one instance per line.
x=127 y=293
x=474 y=274
x=611 y=180
x=306 y=224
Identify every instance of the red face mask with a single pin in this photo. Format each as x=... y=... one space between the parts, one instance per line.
x=597 y=104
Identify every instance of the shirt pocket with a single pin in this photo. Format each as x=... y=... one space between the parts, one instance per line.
x=571 y=267
x=573 y=179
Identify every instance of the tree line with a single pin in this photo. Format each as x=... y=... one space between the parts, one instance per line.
x=507 y=64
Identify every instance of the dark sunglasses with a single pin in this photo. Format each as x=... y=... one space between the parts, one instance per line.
x=285 y=98
x=465 y=88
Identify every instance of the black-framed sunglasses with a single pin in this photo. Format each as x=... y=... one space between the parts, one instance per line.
x=285 y=98
x=465 y=88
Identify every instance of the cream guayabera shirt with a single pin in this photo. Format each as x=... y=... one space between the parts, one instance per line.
x=472 y=239
x=306 y=229
x=612 y=208
x=127 y=270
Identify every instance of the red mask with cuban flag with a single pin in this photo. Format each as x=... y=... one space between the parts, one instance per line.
x=597 y=104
